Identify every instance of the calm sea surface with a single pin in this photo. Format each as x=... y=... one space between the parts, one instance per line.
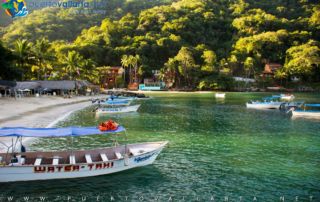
x=218 y=150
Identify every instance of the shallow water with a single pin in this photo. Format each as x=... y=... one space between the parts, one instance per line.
x=217 y=149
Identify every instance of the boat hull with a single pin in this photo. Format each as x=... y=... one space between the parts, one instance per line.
x=306 y=114
x=273 y=105
x=66 y=171
x=117 y=110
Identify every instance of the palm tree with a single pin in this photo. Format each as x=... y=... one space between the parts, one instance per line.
x=40 y=50
x=73 y=62
x=22 y=50
x=125 y=64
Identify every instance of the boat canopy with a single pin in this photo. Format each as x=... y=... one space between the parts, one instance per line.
x=312 y=105
x=54 y=132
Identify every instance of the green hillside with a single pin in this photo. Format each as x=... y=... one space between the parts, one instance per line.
x=199 y=44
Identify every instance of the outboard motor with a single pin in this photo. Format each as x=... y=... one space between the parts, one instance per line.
x=283 y=107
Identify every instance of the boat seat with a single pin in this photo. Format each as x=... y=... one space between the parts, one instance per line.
x=38 y=162
x=88 y=158
x=55 y=160
x=72 y=159
x=118 y=155
x=104 y=157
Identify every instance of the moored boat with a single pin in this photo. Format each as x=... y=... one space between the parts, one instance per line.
x=266 y=103
x=287 y=97
x=114 y=110
x=220 y=95
x=307 y=111
x=115 y=102
x=29 y=166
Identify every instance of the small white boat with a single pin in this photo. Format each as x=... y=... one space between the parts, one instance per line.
x=286 y=97
x=29 y=166
x=114 y=110
x=220 y=95
x=307 y=111
x=266 y=103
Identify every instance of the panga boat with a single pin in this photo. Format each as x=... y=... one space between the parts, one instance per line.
x=266 y=103
x=114 y=110
x=307 y=111
x=115 y=102
x=27 y=166
x=220 y=95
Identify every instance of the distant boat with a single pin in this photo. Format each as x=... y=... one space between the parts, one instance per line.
x=220 y=95
x=115 y=110
x=29 y=166
x=286 y=97
x=307 y=111
x=272 y=102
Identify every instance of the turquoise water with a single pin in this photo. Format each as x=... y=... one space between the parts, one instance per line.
x=217 y=149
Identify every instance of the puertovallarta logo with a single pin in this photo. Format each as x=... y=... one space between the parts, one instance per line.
x=15 y=8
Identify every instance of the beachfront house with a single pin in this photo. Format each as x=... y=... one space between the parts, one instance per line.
x=109 y=77
x=270 y=69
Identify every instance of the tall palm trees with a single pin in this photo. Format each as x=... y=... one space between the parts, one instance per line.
x=22 y=50
x=131 y=62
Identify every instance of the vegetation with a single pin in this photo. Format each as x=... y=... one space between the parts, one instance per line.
x=194 y=44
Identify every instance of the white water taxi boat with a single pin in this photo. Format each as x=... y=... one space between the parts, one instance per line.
x=115 y=110
x=266 y=103
x=307 y=111
x=29 y=166
x=220 y=95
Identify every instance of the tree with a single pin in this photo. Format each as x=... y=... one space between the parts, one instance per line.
x=8 y=70
x=210 y=59
x=302 y=59
x=73 y=63
x=42 y=56
x=125 y=65
x=170 y=73
x=22 y=51
x=186 y=63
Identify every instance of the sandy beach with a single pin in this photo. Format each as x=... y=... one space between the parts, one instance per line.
x=38 y=112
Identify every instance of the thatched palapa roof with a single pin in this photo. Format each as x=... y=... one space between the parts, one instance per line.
x=4 y=84
x=31 y=85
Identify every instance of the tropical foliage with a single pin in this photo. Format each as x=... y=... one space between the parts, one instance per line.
x=194 y=43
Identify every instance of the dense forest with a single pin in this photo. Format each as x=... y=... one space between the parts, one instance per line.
x=194 y=43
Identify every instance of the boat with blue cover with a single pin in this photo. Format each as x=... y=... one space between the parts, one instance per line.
x=29 y=166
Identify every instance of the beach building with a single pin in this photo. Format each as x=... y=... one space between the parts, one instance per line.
x=109 y=77
x=270 y=69
x=5 y=87
x=61 y=87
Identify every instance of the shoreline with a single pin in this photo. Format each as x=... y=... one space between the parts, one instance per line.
x=46 y=114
